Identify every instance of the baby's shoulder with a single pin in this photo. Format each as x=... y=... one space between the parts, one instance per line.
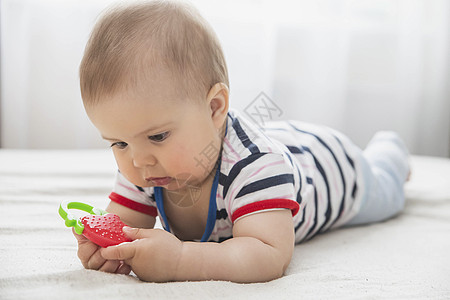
x=244 y=138
x=247 y=147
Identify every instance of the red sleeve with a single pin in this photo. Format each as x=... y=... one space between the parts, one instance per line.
x=146 y=209
x=266 y=205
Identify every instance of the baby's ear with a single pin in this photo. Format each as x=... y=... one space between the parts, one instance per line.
x=218 y=103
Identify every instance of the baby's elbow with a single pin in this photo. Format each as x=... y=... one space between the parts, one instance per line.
x=286 y=263
x=278 y=271
x=282 y=262
x=286 y=253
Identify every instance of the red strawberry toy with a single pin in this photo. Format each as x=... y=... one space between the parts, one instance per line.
x=100 y=227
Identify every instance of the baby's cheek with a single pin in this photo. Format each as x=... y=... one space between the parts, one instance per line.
x=185 y=159
x=129 y=172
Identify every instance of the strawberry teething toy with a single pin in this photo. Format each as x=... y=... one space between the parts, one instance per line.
x=100 y=227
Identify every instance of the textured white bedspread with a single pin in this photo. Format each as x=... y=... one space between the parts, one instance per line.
x=407 y=257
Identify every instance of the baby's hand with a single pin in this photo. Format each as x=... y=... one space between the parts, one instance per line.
x=153 y=255
x=90 y=257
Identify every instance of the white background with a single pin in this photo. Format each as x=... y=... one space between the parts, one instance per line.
x=356 y=65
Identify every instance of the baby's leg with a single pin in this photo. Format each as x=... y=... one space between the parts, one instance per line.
x=386 y=168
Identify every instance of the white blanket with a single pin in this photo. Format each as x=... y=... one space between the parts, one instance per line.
x=406 y=257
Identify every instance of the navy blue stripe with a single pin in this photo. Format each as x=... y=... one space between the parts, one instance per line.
x=342 y=205
x=303 y=218
x=221 y=214
x=290 y=158
x=243 y=137
x=299 y=196
x=304 y=209
x=310 y=234
x=352 y=164
x=298 y=150
x=265 y=183
x=226 y=181
x=294 y=149
x=349 y=159
x=355 y=189
x=325 y=179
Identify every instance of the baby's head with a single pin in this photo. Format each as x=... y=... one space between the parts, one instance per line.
x=133 y=44
x=154 y=82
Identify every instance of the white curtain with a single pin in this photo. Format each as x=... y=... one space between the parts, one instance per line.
x=355 y=65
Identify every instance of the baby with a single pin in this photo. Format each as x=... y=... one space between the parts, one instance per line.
x=234 y=198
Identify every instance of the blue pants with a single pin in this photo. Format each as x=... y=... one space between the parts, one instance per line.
x=385 y=167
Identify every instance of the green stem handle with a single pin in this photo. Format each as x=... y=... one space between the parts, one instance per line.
x=71 y=220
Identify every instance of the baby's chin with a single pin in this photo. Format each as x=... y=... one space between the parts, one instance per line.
x=183 y=181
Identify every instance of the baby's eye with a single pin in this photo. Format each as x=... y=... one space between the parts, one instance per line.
x=159 y=137
x=120 y=145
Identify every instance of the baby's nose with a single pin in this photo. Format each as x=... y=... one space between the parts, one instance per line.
x=141 y=160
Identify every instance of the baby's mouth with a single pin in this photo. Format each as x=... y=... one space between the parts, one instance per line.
x=159 y=181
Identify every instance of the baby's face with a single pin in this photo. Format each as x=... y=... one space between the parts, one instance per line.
x=158 y=139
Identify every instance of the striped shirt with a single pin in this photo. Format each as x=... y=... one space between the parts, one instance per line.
x=312 y=170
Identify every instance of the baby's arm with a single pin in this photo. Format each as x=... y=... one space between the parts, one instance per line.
x=260 y=250
x=89 y=253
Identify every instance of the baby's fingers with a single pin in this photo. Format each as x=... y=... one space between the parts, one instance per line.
x=124 y=269
x=84 y=242
x=95 y=261
x=122 y=251
x=110 y=266
x=85 y=249
x=89 y=253
x=79 y=237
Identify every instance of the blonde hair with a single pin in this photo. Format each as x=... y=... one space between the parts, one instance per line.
x=131 y=42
